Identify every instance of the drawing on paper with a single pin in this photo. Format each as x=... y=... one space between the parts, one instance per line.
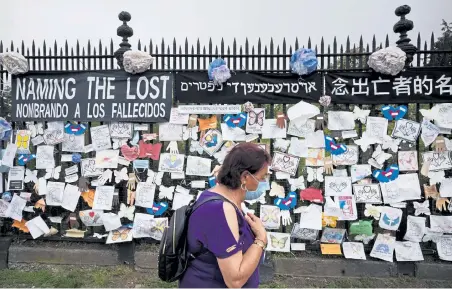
x=376 y=127
x=197 y=166
x=438 y=161
x=73 y=143
x=303 y=233
x=44 y=157
x=158 y=227
x=347 y=206
x=367 y=193
x=285 y=163
x=332 y=235
x=54 y=136
x=120 y=235
x=350 y=157
x=121 y=129
x=212 y=141
x=341 y=120
x=302 y=130
x=407 y=130
x=171 y=163
x=23 y=141
x=144 y=195
x=316 y=157
x=89 y=168
x=270 y=216
x=408 y=161
x=255 y=120
x=338 y=186
x=100 y=137
x=278 y=242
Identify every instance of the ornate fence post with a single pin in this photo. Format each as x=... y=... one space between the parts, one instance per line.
x=125 y=32
x=402 y=27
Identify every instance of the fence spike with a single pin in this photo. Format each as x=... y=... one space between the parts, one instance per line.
x=418 y=47
x=322 y=51
x=252 y=57
x=198 y=51
x=259 y=52
x=234 y=51
x=162 y=59
x=151 y=52
x=432 y=41
x=247 y=52
x=425 y=54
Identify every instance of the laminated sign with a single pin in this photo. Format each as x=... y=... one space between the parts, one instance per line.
x=92 y=96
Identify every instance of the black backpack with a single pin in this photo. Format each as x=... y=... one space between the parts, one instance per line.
x=173 y=256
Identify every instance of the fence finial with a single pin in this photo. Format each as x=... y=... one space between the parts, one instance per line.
x=125 y=32
x=402 y=27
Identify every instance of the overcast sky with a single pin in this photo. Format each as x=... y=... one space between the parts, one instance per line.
x=96 y=20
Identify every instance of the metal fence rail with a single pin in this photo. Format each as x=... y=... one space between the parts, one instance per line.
x=175 y=57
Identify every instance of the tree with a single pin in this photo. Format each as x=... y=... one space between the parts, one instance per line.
x=5 y=102
x=444 y=42
x=351 y=60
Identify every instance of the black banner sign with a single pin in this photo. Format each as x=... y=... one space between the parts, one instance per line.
x=92 y=96
x=258 y=88
x=415 y=85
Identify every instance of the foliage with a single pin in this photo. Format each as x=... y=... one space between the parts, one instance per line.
x=5 y=102
x=350 y=62
x=444 y=42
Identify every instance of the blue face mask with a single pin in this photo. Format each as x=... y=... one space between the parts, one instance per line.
x=261 y=189
x=141 y=164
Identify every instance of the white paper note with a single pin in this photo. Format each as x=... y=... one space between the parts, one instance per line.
x=111 y=221
x=55 y=191
x=142 y=225
x=197 y=166
x=9 y=155
x=42 y=185
x=178 y=118
x=71 y=196
x=15 y=208
x=37 y=227
x=271 y=130
x=103 y=198
x=145 y=195
x=180 y=200
x=232 y=134
x=100 y=136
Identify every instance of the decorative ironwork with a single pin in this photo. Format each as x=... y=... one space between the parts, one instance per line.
x=125 y=32
x=403 y=26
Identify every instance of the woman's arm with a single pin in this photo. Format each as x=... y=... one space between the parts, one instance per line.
x=238 y=268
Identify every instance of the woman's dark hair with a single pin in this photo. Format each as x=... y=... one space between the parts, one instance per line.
x=244 y=157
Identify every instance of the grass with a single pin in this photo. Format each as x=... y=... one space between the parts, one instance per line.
x=127 y=277
x=15 y=278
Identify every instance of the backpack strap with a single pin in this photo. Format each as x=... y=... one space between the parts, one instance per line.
x=209 y=199
x=196 y=206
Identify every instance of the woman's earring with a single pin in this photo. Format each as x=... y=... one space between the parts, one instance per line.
x=243 y=187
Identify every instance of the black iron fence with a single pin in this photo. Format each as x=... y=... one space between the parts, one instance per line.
x=174 y=57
